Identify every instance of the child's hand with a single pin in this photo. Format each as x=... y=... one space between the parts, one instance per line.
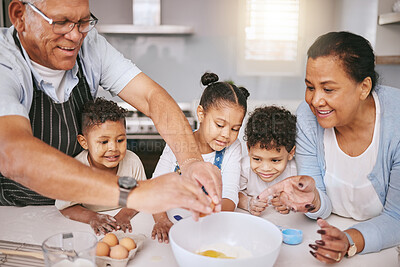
x=279 y=207
x=123 y=222
x=161 y=229
x=103 y=223
x=256 y=205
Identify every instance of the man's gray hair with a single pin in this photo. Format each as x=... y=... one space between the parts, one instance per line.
x=32 y=1
x=29 y=11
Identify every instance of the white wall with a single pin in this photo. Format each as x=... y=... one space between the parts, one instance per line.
x=177 y=62
x=360 y=16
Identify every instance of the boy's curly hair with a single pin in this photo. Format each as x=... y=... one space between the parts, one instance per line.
x=100 y=110
x=271 y=127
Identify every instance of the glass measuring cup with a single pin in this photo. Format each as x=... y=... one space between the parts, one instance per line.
x=70 y=249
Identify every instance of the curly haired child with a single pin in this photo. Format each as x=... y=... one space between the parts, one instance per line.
x=104 y=140
x=270 y=134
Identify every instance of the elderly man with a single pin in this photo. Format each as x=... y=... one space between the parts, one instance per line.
x=51 y=63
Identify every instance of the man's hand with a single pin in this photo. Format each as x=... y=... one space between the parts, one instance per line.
x=297 y=193
x=207 y=175
x=169 y=191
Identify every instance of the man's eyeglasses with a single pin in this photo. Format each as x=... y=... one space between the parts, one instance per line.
x=64 y=27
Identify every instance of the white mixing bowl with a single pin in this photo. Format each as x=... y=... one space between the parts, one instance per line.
x=256 y=235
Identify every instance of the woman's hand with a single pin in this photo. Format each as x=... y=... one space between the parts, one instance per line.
x=297 y=193
x=161 y=227
x=333 y=245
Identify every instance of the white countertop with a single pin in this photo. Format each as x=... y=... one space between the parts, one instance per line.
x=33 y=224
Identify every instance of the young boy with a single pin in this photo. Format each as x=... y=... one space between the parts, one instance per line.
x=104 y=140
x=271 y=135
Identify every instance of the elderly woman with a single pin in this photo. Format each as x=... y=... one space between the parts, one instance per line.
x=348 y=142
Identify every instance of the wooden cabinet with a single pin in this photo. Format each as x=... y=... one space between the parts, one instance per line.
x=387 y=60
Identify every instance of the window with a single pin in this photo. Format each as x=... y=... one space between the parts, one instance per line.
x=269 y=37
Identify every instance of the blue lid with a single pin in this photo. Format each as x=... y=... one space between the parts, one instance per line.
x=292 y=236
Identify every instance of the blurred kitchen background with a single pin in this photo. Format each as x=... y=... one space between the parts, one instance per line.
x=258 y=44
x=177 y=61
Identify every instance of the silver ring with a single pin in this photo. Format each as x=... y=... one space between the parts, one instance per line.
x=339 y=257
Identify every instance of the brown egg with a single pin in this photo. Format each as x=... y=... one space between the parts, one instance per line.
x=212 y=208
x=102 y=249
x=119 y=252
x=110 y=239
x=128 y=243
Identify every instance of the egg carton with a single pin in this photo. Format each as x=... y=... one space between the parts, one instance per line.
x=104 y=261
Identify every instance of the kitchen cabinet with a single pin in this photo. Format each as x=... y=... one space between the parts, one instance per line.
x=387 y=49
x=387 y=60
x=388 y=35
x=145 y=30
x=389 y=18
x=122 y=18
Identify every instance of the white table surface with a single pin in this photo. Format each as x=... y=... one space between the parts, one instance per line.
x=34 y=224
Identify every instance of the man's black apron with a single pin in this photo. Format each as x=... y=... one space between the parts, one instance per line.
x=56 y=124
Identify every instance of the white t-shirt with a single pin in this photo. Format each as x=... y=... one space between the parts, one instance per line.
x=252 y=185
x=54 y=77
x=346 y=178
x=230 y=168
x=129 y=166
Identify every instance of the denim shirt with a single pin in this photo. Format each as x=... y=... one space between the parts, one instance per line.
x=102 y=66
x=382 y=231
